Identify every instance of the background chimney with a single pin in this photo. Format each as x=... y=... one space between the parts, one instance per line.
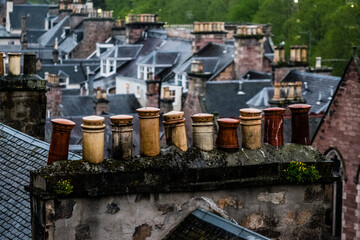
x=137 y=24
x=175 y=129
x=60 y=139
x=56 y=52
x=93 y=128
x=23 y=38
x=227 y=138
x=250 y=128
x=149 y=131
x=318 y=62
x=207 y=32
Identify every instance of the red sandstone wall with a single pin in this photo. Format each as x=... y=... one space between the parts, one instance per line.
x=341 y=129
x=227 y=74
x=53 y=101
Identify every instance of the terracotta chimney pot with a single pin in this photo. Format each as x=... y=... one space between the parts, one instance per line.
x=60 y=138
x=149 y=131
x=93 y=129
x=304 y=54
x=175 y=129
x=291 y=93
x=276 y=91
x=2 y=64
x=300 y=123
x=298 y=54
x=203 y=131
x=29 y=63
x=14 y=64
x=293 y=53
x=282 y=54
x=273 y=133
x=250 y=128
x=122 y=136
x=276 y=54
x=227 y=138
x=298 y=90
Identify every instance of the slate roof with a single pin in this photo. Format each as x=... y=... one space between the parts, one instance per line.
x=201 y=224
x=315 y=86
x=35 y=15
x=48 y=38
x=226 y=98
x=252 y=74
x=121 y=52
x=68 y=44
x=32 y=35
x=19 y=154
x=84 y=105
x=159 y=58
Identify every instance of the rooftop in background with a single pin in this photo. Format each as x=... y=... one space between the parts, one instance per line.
x=36 y=15
x=19 y=154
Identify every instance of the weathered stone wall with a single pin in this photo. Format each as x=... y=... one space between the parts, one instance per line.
x=96 y=30
x=278 y=212
x=144 y=198
x=340 y=130
x=23 y=104
x=227 y=74
x=53 y=101
x=200 y=40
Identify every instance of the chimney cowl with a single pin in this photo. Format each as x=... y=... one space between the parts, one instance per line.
x=60 y=139
x=300 y=123
x=174 y=125
x=273 y=127
x=173 y=116
x=149 y=131
x=227 y=138
x=122 y=136
x=14 y=64
x=203 y=131
x=250 y=128
x=93 y=130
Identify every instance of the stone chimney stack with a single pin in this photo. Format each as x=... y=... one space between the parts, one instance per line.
x=250 y=128
x=60 y=139
x=248 y=49
x=53 y=96
x=122 y=136
x=300 y=123
x=101 y=103
x=137 y=24
x=22 y=98
x=23 y=38
x=152 y=93
x=227 y=138
x=273 y=127
x=149 y=131
x=203 y=131
x=9 y=9
x=207 y=32
x=174 y=125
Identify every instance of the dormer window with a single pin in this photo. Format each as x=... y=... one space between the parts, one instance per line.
x=108 y=67
x=144 y=70
x=111 y=66
x=181 y=80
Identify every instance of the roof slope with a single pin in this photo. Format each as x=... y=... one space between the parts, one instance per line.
x=48 y=38
x=201 y=224
x=35 y=15
x=19 y=154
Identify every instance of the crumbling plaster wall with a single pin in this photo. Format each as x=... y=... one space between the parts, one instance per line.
x=278 y=212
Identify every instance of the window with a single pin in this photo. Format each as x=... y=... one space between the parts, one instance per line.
x=111 y=68
x=103 y=66
x=127 y=88
x=141 y=74
x=178 y=80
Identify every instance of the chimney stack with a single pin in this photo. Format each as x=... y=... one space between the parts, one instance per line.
x=122 y=136
x=29 y=64
x=60 y=139
x=101 y=104
x=23 y=38
x=207 y=32
x=203 y=131
x=14 y=64
x=227 y=138
x=273 y=130
x=318 y=62
x=93 y=129
x=137 y=24
x=174 y=125
x=152 y=94
x=250 y=128
x=300 y=123
x=56 y=52
x=149 y=131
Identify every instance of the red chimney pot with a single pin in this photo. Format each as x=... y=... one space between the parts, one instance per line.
x=300 y=123
x=273 y=133
x=227 y=138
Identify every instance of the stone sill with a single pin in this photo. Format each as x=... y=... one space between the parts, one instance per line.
x=174 y=171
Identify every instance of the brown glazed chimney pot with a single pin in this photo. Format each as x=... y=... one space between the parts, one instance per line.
x=300 y=123
x=2 y=65
x=203 y=131
x=149 y=131
x=227 y=138
x=250 y=128
x=174 y=125
x=122 y=136
x=273 y=132
x=60 y=138
x=93 y=130
x=29 y=63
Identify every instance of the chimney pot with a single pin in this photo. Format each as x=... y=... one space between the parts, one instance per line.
x=149 y=131
x=318 y=62
x=29 y=63
x=60 y=138
x=293 y=54
x=303 y=53
x=300 y=123
x=276 y=91
x=227 y=138
x=175 y=129
x=298 y=90
x=196 y=67
x=250 y=128
x=122 y=136
x=14 y=64
x=2 y=64
x=203 y=131
x=93 y=130
x=276 y=54
x=291 y=93
x=273 y=132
